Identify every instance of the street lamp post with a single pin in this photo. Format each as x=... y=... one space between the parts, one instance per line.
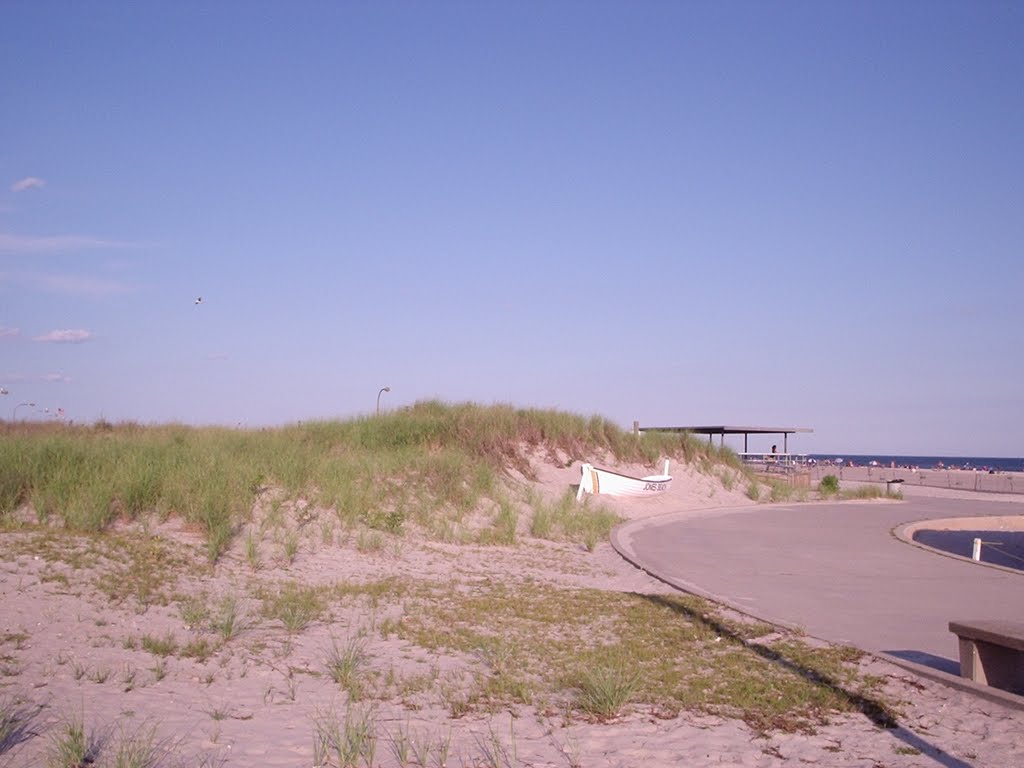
x=382 y=391
x=14 y=415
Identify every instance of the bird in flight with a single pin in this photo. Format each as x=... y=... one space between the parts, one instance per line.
x=199 y=300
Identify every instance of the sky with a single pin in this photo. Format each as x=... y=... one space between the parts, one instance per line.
x=680 y=213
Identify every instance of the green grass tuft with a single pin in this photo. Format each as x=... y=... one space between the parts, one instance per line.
x=293 y=604
x=72 y=746
x=346 y=665
x=160 y=646
x=568 y=520
x=868 y=492
x=347 y=743
x=604 y=691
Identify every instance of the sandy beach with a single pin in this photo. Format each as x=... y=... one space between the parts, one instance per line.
x=1006 y=483
x=69 y=652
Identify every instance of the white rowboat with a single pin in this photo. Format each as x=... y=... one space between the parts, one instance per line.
x=606 y=483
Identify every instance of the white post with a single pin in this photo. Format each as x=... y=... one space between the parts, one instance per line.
x=976 y=553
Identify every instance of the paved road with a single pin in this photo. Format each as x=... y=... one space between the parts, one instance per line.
x=834 y=570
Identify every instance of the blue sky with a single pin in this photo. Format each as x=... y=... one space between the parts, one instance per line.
x=799 y=214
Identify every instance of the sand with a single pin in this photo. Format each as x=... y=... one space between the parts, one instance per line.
x=70 y=652
x=1007 y=485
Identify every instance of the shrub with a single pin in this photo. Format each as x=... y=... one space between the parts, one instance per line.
x=829 y=485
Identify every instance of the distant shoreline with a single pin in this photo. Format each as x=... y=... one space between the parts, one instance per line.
x=963 y=463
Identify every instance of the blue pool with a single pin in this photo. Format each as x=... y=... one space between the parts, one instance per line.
x=998 y=547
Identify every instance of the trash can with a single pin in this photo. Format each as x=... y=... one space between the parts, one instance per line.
x=892 y=486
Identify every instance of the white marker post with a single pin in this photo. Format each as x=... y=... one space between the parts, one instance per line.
x=976 y=553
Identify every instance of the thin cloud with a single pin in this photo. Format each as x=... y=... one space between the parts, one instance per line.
x=68 y=285
x=67 y=336
x=58 y=243
x=55 y=378
x=7 y=332
x=217 y=356
x=29 y=182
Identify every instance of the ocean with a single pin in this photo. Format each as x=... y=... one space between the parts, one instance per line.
x=983 y=463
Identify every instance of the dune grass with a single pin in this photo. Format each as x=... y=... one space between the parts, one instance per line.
x=829 y=487
x=582 y=651
x=72 y=745
x=567 y=519
x=423 y=464
x=123 y=744
x=126 y=568
x=346 y=663
x=865 y=492
x=295 y=605
x=347 y=742
x=606 y=650
x=16 y=724
x=604 y=690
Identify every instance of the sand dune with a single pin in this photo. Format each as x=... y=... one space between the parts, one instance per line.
x=68 y=650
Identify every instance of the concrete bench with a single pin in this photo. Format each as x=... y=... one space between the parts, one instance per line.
x=992 y=652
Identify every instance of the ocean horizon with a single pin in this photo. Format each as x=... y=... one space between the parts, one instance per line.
x=977 y=463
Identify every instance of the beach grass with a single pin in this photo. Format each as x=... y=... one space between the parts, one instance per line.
x=864 y=492
x=138 y=748
x=72 y=745
x=417 y=472
x=828 y=486
x=591 y=654
x=16 y=724
x=229 y=619
x=121 y=744
x=604 y=650
x=167 y=645
x=427 y=464
x=604 y=690
x=346 y=664
x=138 y=569
x=345 y=742
x=294 y=604
x=568 y=520
x=194 y=611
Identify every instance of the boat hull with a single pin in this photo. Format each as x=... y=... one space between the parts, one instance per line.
x=604 y=482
